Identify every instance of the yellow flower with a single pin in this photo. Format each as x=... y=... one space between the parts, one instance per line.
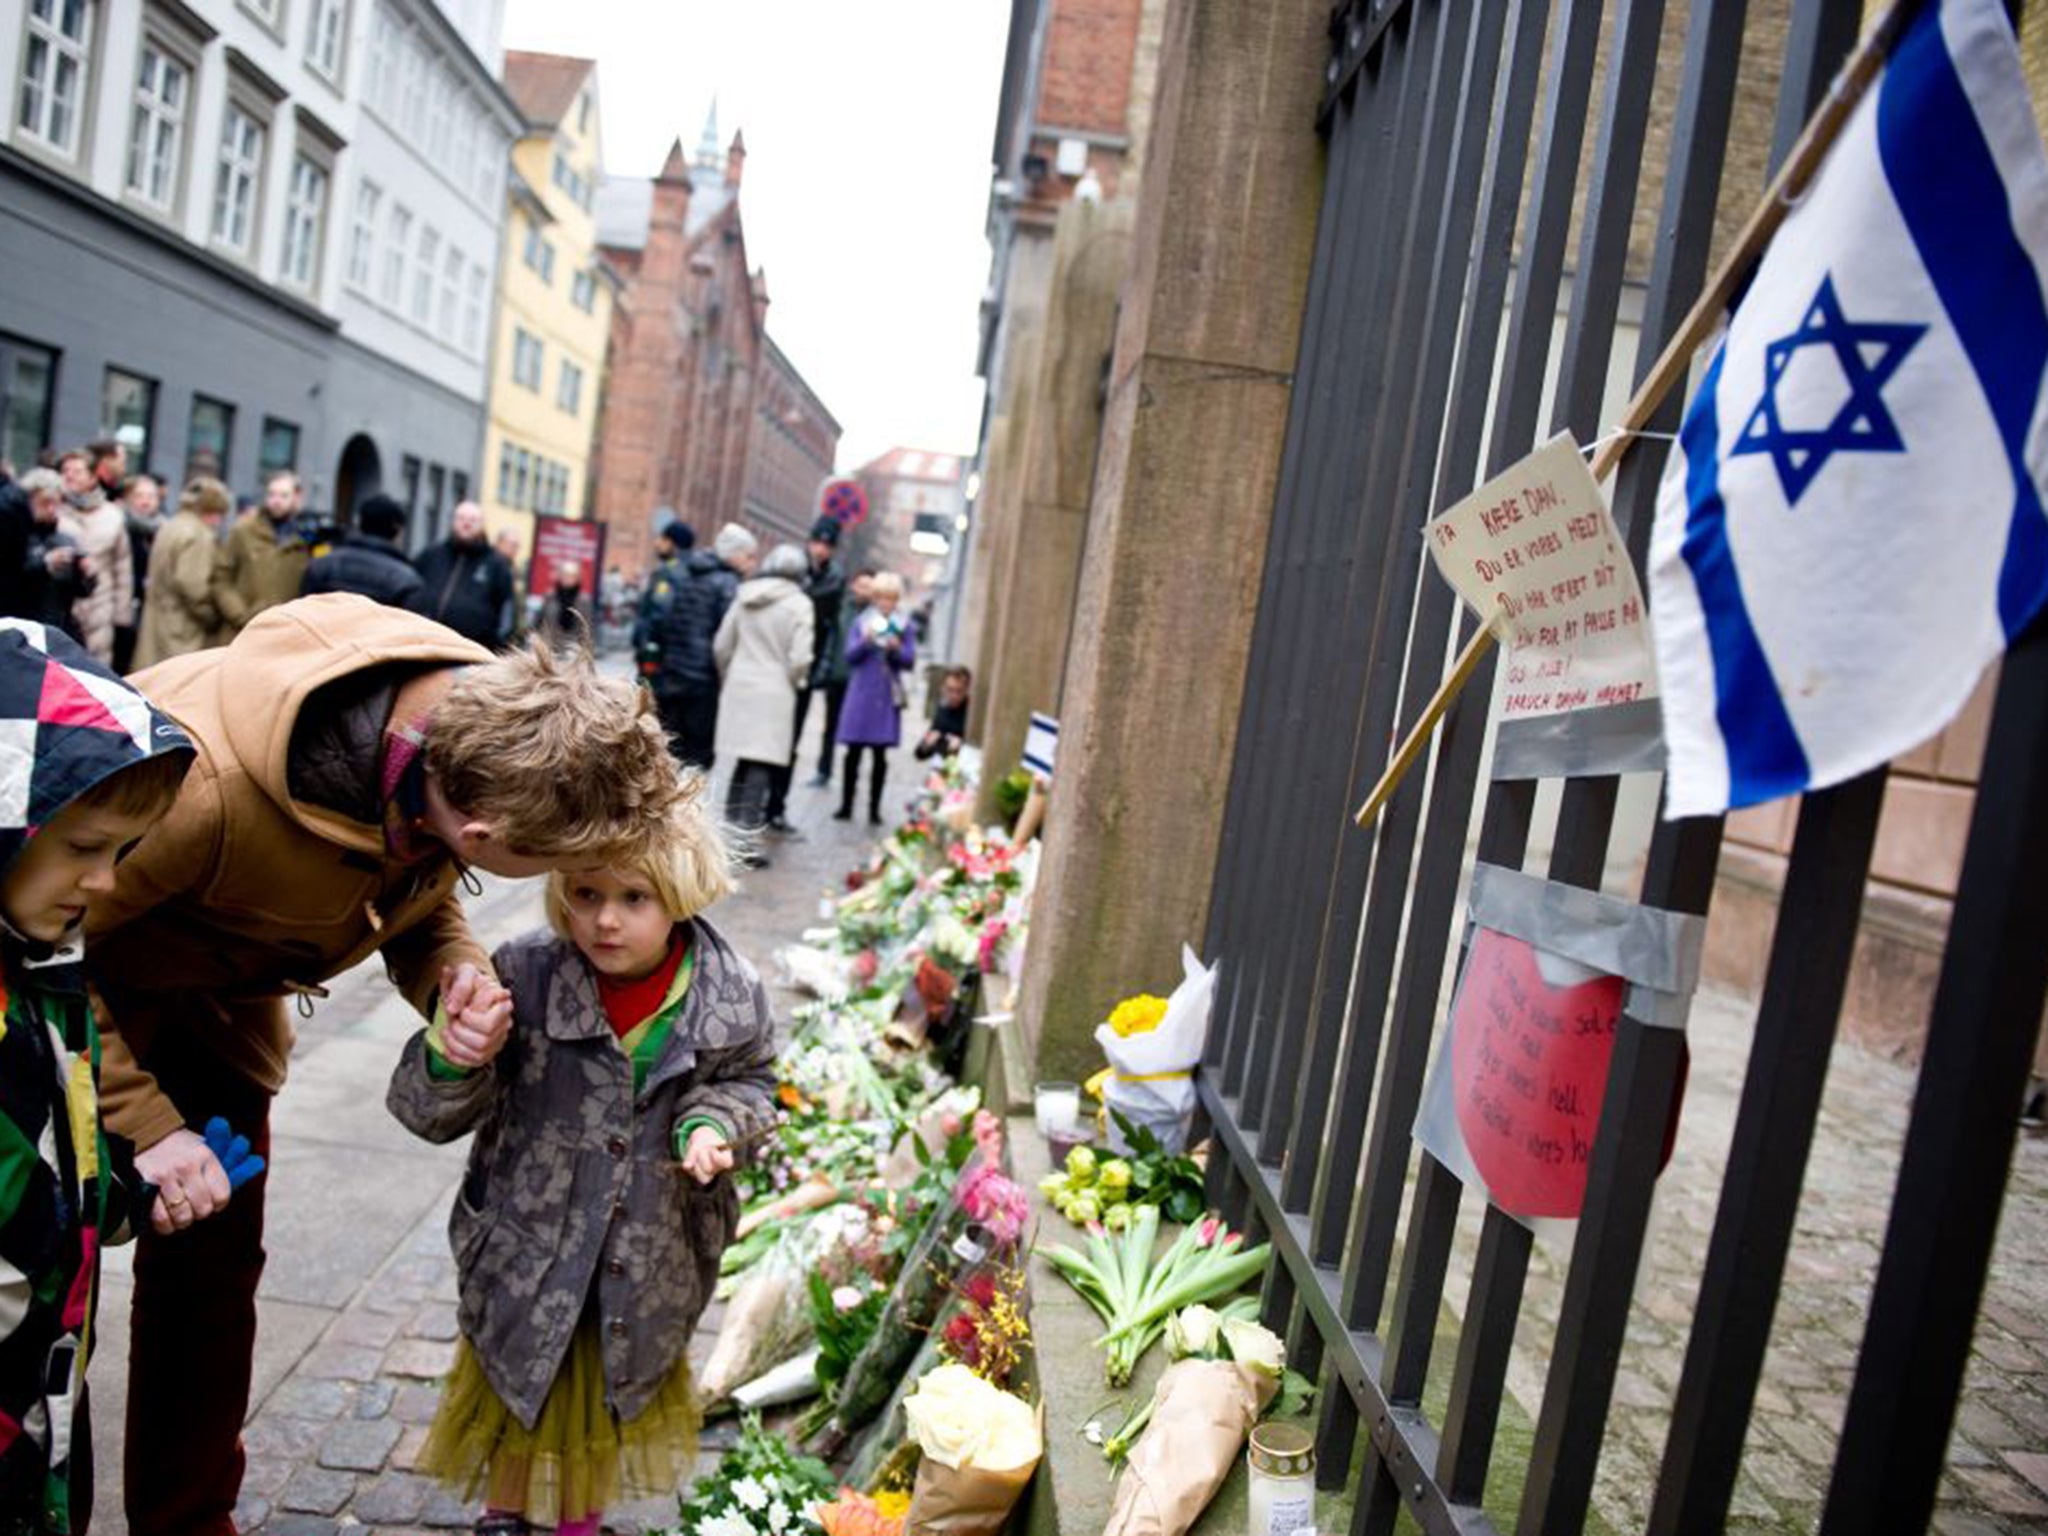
x=1138 y=1015
x=893 y=1504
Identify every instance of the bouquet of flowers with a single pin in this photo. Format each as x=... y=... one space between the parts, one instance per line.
x=989 y=1332
x=761 y=1487
x=1153 y=1048
x=1227 y=1372
x=1118 y=1277
x=980 y=1446
x=858 y=1514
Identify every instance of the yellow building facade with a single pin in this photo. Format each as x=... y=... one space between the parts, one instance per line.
x=554 y=308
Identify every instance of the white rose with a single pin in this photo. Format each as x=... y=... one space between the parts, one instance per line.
x=1191 y=1333
x=750 y=1494
x=778 y=1517
x=944 y=1414
x=1257 y=1347
x=1010 y=1435
x=846 y=1298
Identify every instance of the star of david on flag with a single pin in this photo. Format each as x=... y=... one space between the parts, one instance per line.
x=1853 y=526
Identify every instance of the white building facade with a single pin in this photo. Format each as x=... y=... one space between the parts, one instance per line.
x=259 y=234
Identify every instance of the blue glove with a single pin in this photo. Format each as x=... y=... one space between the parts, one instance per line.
x=236 y=1160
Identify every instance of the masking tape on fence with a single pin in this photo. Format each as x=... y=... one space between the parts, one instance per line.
x=1621 y=738
x=1656 y=951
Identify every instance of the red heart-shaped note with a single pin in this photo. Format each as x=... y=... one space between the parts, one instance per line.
x=1529 y=1070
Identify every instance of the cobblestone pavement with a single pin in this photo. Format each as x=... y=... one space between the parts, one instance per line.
x=356 y=1310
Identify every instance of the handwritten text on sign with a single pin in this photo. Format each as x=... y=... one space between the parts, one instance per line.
x=1536 y=550
x=1529 y=1060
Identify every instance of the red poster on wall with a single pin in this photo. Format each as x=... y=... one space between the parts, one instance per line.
x=558 y=540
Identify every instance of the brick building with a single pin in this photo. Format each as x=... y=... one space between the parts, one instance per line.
x=914 y=502
x=691 y=364
x=795 y=443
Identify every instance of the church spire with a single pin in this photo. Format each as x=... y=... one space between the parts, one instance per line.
x=710 y=154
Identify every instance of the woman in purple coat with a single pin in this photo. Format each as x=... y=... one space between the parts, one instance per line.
x=879 y=650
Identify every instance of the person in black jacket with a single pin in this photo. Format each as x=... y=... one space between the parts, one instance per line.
x=370 y=560
x=685 y=682
x=52 y=570
x=466 y=584
x=949 y=716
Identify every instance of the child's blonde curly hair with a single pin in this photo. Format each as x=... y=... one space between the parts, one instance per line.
x=685 y=860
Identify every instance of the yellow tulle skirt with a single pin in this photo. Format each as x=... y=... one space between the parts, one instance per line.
x=578 y=1459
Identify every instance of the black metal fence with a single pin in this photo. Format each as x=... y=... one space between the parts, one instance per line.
x=1457 y=158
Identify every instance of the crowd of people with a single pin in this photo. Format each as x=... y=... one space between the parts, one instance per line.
x=291 y=779
x=92 y=549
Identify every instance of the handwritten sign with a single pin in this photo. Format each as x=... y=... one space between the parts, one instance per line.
x=1536 y=552
x=1529 y=1066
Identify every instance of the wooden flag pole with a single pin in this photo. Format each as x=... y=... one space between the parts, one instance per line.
x=1675 y=362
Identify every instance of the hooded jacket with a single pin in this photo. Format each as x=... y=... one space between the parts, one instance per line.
x=764 y=655
x=573 y=1196
x=271 y=872
x=67 y=1190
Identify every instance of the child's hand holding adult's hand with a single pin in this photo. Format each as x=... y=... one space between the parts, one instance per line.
x=479 y=1013
x=707 y=1155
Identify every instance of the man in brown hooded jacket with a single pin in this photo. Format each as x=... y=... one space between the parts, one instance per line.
x=352 y=759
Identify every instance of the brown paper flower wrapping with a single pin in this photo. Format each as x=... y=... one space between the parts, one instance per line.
x=967 y=1500
x=1205 y=1409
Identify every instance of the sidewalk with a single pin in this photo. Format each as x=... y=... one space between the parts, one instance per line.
x=356 y=1309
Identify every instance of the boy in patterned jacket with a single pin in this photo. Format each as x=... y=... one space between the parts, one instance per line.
x=86 y=767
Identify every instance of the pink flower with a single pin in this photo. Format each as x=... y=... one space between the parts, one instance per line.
x=985 y=952
x=949 y=1124
x=1210 y=1227
x=988 y=1136
x=993 y=1200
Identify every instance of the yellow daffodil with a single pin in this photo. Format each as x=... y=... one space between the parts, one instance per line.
x=1138 y=1015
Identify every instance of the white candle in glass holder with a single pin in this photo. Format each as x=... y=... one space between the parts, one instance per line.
x=1058 y=1108
x=1283 y=1479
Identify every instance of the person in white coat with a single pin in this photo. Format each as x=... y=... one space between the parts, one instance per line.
x=763 y=649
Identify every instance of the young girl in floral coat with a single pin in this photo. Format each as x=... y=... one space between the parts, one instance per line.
x=638 y=1051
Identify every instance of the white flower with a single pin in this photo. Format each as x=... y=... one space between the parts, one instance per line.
x=1191 y=1334
x=727 y=1524
x=778 y=1517
x=846 y=1298
x=750 y=1494
x=958 y=1418
x=1257 y=1347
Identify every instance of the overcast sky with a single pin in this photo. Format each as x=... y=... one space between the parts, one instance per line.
x=868 y=128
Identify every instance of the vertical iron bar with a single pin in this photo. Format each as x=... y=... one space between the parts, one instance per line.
x=1959 y=1142
x=1821 y=906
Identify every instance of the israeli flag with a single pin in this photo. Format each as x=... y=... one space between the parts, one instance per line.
x=1853 y=526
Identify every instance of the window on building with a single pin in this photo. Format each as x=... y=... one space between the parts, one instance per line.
x=237 y=175
x=386 y=40
x=328 y=25
x=397 y=240
x=583 y=113
x=441 y=105
x=305 y=221
x=409 y=483
x=539 y=254
x=278 y=449
x=490 y=160
x=53 y=72
x=209 y=435
x=569 y=390
x=156 y=133
x=128 y=413
x=528 y=358
x=451 y=294
x=28 y=386
x=571 y=181
x=362 y=236
x=423 y=275
x=458 y=488
x=267 y=11
x=427 y=529
x=473 y=311
x=505 y=474
x=583 y=290
x=462 y=146
x=522 y=467
x=414 y=64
